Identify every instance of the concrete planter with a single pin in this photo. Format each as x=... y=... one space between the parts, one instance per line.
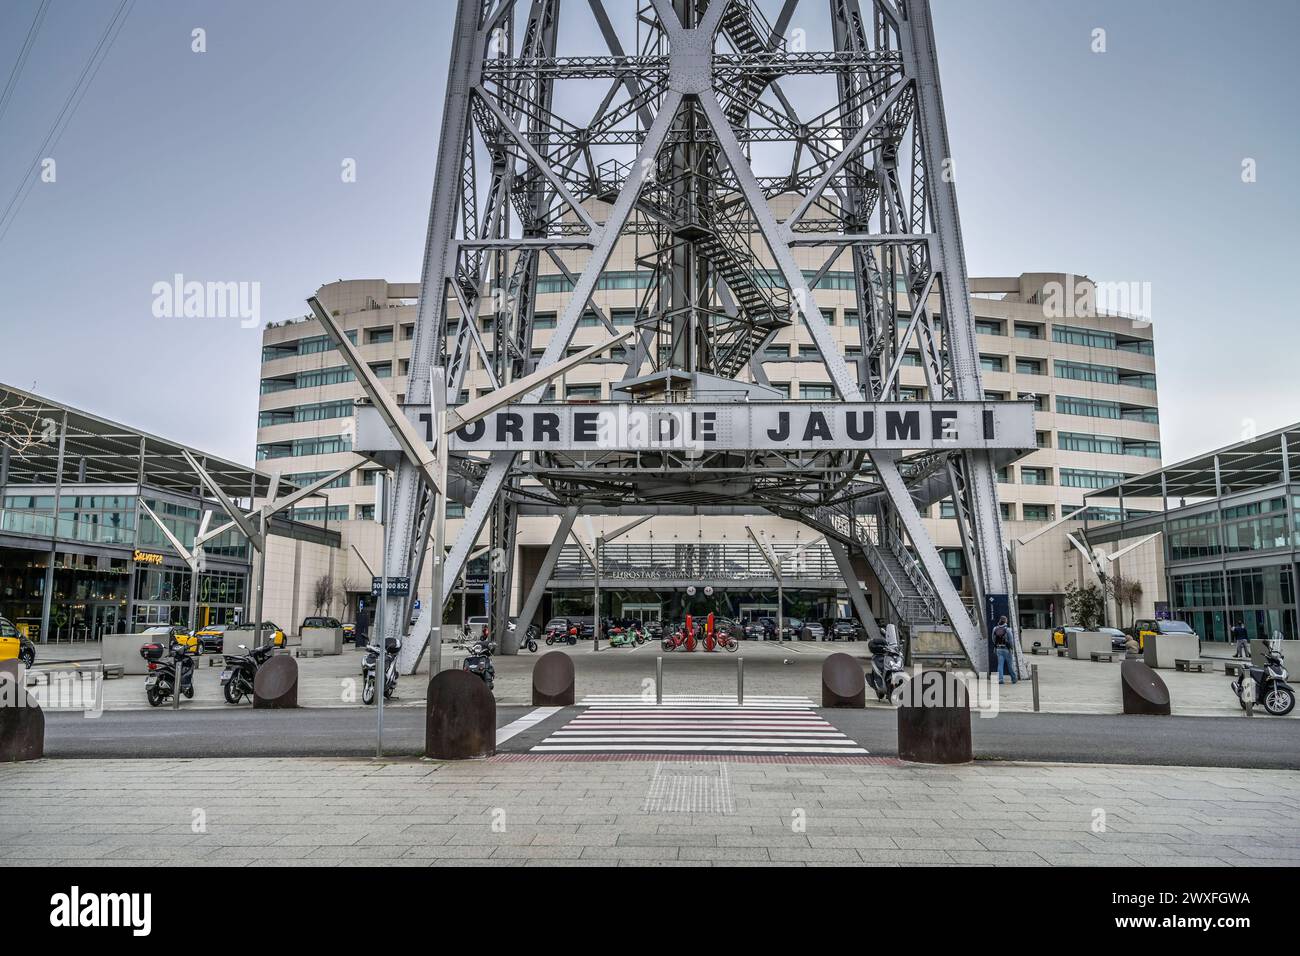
x=1083 y=644
x=1161 y=650
x=124 y=650
x=1290 y=651
x=328 y=640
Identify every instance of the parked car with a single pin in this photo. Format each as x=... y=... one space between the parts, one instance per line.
x=1143 y=627
x=1118 y=639
x=320 y=622
x=212 y=639
x=14 y=646
x=847 y=629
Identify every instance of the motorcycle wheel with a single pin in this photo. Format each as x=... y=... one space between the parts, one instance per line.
x=388 y=692
x=368 y=692
x=573 y=639
x=155 y=696
x=532 y=646
x=232 y=693
x=1279 y=701
x=189 y=692
x=668 y=645
x=550 y=641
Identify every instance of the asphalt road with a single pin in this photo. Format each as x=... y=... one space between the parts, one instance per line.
x=1258 y=742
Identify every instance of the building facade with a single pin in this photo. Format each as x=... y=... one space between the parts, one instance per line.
x=80 y=555
x=1042 y=336
x=1225 y=541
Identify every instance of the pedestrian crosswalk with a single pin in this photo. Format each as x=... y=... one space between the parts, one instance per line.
x=677 y=727
x=695 y=700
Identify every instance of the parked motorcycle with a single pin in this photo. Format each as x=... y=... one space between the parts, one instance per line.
x=160 y=683
x=478 y=661
x=240 y=670
x=626 y=637
x=529 y=639
x=371 y=665
x=1267 y=685
x=886 y=665
x=561 y=636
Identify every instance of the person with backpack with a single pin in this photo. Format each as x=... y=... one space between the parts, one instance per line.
x=1002 y=645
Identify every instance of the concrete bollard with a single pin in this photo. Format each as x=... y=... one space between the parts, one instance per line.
x=1144 y=690
x=553 y=680
x=460 y=717
x=934 y=720
x=276 y=684
x=844 y=683
x=22 y=722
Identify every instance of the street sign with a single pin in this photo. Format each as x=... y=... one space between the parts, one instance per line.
x=806 y=426
x=397 y=587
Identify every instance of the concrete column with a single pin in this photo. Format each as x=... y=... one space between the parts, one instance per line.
x=48 y=597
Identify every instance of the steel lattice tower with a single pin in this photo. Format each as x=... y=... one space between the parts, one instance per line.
x=682 y=156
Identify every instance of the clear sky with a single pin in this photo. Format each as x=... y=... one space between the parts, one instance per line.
x=225 y=166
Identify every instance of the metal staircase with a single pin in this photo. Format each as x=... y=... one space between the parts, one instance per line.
x=910 y=593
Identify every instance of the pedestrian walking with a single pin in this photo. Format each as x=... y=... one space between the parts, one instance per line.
x=1243 y=640
x=1005 y=649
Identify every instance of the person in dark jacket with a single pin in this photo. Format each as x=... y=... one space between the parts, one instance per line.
x=1004 y=647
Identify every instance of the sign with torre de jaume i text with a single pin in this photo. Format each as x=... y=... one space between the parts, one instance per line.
x=739 y=426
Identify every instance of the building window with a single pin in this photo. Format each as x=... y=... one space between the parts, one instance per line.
x=1035 y=476
x=850 y=318
x=365 y=512
x=1027 y=331
x=1087 y=407
x=1087 y=478
x=1146 y=380
x=582 y=392
x=1038 y=512
x=1025 y=366
x=989 y=327
x=382 y=369
x=993 y=363
x=1083 y=372
x=816 y=392
x=1092 y=338
x=947 y=509
x=379 y=336
x=543 y=320
x=1093 y=444
x=1008 y=510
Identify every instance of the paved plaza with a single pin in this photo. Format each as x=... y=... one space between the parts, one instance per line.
x=522 y=809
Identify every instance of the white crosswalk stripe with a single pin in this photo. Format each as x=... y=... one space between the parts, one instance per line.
x=682 y=727
x=694 y=700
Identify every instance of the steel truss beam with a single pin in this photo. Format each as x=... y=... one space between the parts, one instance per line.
x=662 y=162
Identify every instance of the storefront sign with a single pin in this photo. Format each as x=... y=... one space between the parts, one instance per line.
x=148 y=557
x=793 y=426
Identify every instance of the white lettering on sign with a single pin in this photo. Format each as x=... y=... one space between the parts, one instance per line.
x=722 y=427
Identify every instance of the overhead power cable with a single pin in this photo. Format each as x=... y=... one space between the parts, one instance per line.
x=26 y=50
x=78 y=93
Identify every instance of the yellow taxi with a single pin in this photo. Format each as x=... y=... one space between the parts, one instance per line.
x=14 y=646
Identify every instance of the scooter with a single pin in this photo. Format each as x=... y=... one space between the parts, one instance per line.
x=529 y=639
x=478 y=661
x=1267 y=685
x=371 y=665
x=554 y=635
x=240 y=670
x=886 y=666
x=158 y=686
x=618 y=637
